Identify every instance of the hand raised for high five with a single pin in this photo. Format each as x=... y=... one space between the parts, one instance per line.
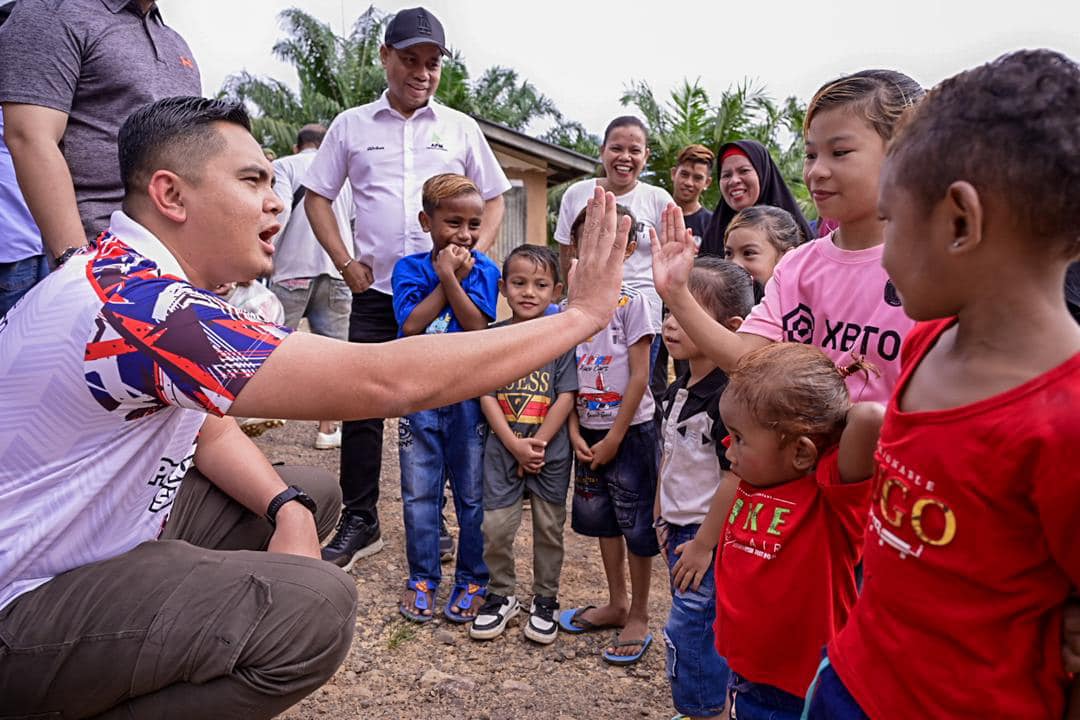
x=596 y=274
x=673 y=252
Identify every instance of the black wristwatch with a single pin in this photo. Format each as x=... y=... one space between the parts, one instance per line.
x=66 y=255
x=288 y=495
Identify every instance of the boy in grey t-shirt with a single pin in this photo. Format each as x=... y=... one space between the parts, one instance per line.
x=527 y=447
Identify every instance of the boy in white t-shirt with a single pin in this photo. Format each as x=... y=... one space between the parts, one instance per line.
x=613 y=434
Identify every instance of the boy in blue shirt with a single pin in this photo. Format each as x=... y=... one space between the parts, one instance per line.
x=451 y=289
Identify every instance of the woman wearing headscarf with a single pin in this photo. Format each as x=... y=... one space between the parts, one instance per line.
x=748 y=176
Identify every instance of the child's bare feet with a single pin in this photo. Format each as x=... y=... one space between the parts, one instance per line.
x=604 y=616
x=633 y=634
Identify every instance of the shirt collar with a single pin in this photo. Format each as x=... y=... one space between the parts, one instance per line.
x=115 y=6
x=707 y=386
x=145 y=243
x=383 y=105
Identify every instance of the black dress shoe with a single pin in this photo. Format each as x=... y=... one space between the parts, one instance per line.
x=356 y=538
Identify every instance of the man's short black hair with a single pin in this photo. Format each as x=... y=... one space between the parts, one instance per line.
x=310 y=135
x=173 y=134
x=1011 y=128
x=540 y=256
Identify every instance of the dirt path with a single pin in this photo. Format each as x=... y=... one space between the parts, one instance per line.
x=397 y=669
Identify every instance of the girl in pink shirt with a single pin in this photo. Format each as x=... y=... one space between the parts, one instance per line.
x=831 y=292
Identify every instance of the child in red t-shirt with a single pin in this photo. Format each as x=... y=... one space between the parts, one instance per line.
x=785 y=574
x=971 y=547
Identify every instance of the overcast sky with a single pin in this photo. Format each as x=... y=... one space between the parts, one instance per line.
x=582 y=53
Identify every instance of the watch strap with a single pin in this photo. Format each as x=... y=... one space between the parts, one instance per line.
x=288 y=495
x=66 y=255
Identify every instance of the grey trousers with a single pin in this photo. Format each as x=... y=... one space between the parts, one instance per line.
x=198 y=624
x=500 y=528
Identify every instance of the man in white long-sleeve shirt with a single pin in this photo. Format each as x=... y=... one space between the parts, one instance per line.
x=305 y=279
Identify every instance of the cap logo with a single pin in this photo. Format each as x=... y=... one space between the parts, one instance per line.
x=423 y=27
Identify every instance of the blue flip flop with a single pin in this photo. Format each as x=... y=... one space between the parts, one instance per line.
x=627 y=659
x=571 y=621
x=425 y=595
x=462 y=598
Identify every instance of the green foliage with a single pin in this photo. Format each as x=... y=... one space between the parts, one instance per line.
x=572 y=135
x=498 y=95
x=335 y=73
x=743 y=111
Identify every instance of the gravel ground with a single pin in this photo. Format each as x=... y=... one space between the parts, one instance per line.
x=397 y=669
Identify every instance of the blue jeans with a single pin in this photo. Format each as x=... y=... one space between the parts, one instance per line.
x=16 y=279
x=696 y=672
x=434 y=445
x=828 y=699
x=755 y=701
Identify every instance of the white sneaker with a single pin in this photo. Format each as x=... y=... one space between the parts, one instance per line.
x=493 y=617
x=543 y=625
x=328 y=441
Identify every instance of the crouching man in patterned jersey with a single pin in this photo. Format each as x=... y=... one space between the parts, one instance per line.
x=145 y=575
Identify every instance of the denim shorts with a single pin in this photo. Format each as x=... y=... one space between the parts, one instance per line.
x=828 y=699
x=697 y=674
x=617 y=498
x=755 y=701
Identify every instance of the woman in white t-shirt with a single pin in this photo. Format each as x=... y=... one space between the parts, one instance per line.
x=623 y=155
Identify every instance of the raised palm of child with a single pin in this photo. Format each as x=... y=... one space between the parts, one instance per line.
x=673 y=252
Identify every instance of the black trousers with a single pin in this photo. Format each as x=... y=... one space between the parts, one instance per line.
x=372 y=321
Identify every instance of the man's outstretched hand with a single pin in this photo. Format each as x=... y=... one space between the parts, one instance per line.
x=673 y=253
x=596 y=274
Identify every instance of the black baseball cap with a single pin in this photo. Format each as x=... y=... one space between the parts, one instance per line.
x=414 y=26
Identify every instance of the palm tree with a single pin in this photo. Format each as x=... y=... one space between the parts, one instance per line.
x=337 y=73
x=498 y=95
x=743 y=111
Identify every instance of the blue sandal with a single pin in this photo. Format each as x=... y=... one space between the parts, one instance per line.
x=423 y=600
x=463 y=597
x=613 y=659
